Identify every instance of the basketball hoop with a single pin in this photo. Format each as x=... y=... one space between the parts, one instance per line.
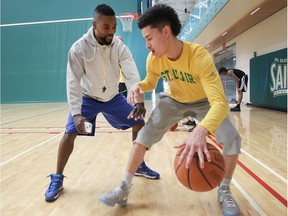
x=127 y=21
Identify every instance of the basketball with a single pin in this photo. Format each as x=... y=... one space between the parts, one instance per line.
x=198 y=179
x=174 y=127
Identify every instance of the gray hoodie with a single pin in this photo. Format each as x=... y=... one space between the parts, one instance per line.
x=92 y=66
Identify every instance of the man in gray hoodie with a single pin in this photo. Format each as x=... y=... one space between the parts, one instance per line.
x=92 y=88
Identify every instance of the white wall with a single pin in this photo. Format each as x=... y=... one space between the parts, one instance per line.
x=233 y=11
x=268 y=36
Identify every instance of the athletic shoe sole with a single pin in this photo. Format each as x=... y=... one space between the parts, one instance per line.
x=147 y=176
x=108 y=203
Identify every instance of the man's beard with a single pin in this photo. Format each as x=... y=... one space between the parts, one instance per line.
x=103 y=41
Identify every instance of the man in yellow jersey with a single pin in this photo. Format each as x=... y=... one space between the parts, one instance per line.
x=195 y=90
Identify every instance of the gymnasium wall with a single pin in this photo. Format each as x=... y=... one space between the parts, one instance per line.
x=34 y=57
x=268 y=79
x=266 y=37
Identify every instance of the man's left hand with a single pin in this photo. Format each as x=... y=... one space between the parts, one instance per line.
x=138 y=112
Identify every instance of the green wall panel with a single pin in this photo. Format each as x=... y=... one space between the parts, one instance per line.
x=16 y=11
x=268 y=80
x=34 y=57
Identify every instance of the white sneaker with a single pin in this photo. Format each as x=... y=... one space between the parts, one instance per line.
x=118 y=195
x=229 y=205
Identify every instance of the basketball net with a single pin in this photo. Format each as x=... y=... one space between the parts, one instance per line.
x=127 y=21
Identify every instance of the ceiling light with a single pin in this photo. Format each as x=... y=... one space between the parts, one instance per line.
x=254 y=11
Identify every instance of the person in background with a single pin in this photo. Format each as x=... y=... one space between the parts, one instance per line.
x=241 y=80
x=190 y=122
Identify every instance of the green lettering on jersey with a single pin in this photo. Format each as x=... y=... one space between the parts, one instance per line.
x=175 y=74
x=189 y=78
x=165 y=75
x=182 y=76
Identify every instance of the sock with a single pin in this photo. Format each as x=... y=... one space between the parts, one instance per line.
x=127 y=178
x=225 y=181
x=238 y=105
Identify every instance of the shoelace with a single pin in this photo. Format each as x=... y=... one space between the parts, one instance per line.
x=226 y=192
x=146 y=167
x=114 y=194
x=229 y=202
x=54 y=184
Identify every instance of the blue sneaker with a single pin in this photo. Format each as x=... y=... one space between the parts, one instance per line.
x=56 y=185
x=145 y=171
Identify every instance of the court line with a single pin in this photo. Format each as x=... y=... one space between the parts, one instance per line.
x=248 y=197
x=28 y=150
x=47 y=22
x=266 y=167
x=33 y=132
x=264 y=184
x=57 y=132
x=31 y=116
x=261 y=164
x=44 y=127
x=257 y=178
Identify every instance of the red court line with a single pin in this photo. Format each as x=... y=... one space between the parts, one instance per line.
x=33 y=132
x=257 y=178
x=56 y=132
x=11 y=128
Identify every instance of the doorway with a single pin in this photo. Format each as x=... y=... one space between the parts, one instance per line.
x=227 y=58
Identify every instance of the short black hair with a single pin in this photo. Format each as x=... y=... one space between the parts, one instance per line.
x=103 y=9
x=160 y=15
x=222 y=69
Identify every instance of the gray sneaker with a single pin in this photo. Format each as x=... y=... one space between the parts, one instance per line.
x=229 y=205
x=118 y=195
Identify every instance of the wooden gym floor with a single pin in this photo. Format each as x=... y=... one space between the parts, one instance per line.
x=30 y=135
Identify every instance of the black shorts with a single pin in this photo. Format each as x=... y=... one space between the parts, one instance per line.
x=122 y=88
x=243 y=83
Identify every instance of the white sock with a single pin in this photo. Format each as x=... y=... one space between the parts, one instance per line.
x=225 y=181
x=127 y=178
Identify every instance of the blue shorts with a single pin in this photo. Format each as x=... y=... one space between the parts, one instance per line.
x=115 y=111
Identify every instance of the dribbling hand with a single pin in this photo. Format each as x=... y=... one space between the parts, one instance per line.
x=195 y=143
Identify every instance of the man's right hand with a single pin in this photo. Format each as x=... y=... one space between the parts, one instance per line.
x=79 y=123
x=135 y=95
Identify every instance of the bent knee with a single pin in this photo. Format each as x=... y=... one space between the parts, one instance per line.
x=69 y=137
x=232 y=145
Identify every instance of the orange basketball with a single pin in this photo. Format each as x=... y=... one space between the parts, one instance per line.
x=174 y=127
x=198 y=179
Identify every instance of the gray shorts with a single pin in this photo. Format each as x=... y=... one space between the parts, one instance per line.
x=168 y=112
